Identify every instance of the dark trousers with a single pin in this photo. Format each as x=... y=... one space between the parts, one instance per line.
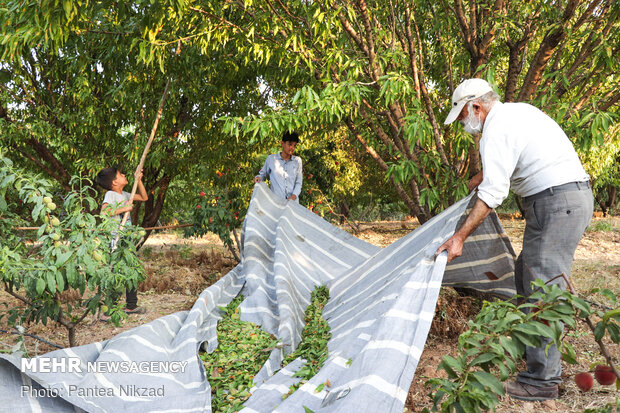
x=131 y=299
x=555 y=223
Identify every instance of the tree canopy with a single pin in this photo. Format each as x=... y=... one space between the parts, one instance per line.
x=81 y=83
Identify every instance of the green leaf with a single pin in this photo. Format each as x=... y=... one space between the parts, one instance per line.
x=503 y=370
x=51 y=282
x=71 y=274
x=489 y=381
x=455 y=366
x=62 y=258
x=528 y=328
x=614 y=332
x=599 y=330
x=40 y=286
x=511 y=346
x=60 y=281
x=615 y=314
x=483 y=358
x=581 y=305
x=532 y=341
x=569 y=355
x=36 y=211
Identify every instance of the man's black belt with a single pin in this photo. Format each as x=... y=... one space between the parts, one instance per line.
x=571 y=186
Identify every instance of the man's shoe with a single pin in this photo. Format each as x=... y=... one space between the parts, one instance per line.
x=524 y=391
x=137 y=310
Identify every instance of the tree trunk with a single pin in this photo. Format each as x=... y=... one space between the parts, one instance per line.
x=71 y=331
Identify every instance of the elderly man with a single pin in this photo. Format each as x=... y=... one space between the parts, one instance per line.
x=524 y=149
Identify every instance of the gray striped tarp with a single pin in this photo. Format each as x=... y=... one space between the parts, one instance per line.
x=380 y=309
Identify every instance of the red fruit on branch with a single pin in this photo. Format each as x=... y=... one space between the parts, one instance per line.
x=198 y=206
x=202 y=193
x=584 y=381
x=604 y=375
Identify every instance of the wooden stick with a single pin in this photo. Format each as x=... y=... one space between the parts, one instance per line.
x=146 y=151
x=147 y=228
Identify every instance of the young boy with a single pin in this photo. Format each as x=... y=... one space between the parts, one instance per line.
x=284 y=169
x=115 y=204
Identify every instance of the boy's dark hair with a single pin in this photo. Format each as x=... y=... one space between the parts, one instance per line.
x=290 y=137
x=105 y=177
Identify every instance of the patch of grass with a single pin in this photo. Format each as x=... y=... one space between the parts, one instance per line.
x=242 y=350
x=603 y=225
x=146 y=252
x=314 y=338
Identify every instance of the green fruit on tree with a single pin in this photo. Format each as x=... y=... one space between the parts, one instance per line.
x=47 y=199
x=55 y=222
x=51 y=206
x=104 y=308
x=55 y=237
x=46 y=219
x=97 y=255
x=142 y=233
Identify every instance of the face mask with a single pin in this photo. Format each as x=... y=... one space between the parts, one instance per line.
x=468 y=124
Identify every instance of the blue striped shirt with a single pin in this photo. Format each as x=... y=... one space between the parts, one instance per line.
x=286 y=176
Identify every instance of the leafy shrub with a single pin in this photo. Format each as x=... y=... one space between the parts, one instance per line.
x=219 y=211
x=70 y=252
x=497 y=338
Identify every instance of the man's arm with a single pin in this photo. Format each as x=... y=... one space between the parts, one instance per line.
x=475 y=181
x=141 y=194
x=454 y=245
x=298 y=181
x=262 y=174
x=107 y=209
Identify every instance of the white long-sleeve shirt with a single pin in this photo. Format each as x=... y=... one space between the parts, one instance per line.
x=523 y=148
x=286 y=176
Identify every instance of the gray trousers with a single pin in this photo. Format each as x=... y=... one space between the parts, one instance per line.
x=554 y=223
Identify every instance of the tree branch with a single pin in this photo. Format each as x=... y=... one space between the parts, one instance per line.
x=544 y=53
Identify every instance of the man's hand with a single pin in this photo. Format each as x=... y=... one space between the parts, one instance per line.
x=256 y=179
x=454 y=246
x=138 y=175
x=292 y=197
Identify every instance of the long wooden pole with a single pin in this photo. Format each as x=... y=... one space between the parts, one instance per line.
x=146 y=149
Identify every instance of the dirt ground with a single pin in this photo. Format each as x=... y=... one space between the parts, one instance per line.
x=179 y=269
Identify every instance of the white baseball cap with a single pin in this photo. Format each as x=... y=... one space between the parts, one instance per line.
x=468 y=90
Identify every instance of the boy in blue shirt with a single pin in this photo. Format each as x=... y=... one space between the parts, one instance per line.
x=115 y=204
x=284 y=169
